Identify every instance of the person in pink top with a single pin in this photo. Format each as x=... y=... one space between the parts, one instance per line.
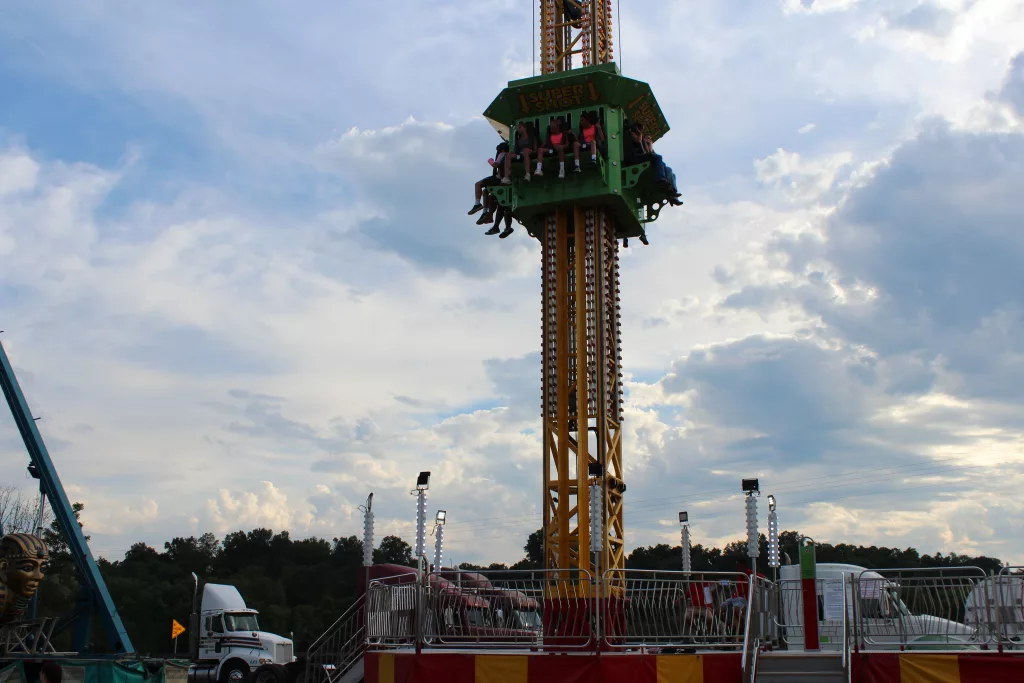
x=559 y=139
x=591 y=134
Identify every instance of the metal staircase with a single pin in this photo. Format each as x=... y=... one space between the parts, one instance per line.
x=799 y=667
x=337 y=655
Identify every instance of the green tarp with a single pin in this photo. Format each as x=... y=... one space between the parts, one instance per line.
x=99 y=671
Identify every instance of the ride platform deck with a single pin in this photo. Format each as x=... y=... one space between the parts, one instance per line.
x=476 y=666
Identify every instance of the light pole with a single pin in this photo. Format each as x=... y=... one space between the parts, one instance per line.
x=773 y=537
x=439 y=540
x=368 y=532
x=751 y=491
x=684 y=518
x=422 y=484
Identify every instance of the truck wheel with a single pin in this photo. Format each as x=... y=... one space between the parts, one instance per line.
x=270 y=673
x=235 y=672
x=296 y=671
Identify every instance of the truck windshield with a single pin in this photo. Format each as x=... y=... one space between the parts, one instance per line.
x=529 y=619
x=241 y=622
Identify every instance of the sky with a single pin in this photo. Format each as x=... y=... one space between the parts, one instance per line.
x=239 y=286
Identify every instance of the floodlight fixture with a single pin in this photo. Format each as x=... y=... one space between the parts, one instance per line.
x=684 y=517
x=771 y=503
x=750 y=486
x=439 y=519
x=423 y=481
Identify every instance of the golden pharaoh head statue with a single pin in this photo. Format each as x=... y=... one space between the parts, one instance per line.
x=22 y=561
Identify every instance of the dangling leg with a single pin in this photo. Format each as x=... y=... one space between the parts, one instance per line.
x=497 y=220
x=477 y=191
x=487 y=215
x=576 y=153
x=507 y=215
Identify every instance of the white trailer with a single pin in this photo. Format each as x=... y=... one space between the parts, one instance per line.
x=883 y=619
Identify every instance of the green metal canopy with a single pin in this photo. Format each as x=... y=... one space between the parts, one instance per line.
x=600 y=85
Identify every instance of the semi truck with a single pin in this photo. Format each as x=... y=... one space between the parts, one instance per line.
x=229 y=647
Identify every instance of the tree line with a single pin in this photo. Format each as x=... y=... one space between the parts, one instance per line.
x=300 y=586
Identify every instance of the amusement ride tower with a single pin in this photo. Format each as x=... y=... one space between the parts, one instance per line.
x=579 y=221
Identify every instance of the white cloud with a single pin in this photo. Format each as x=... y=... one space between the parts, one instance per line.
x=817 y=6
x=312 y=316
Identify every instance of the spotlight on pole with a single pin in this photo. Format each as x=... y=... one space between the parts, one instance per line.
x=368 y=532
x=751 y=491
x=685 y=540
x=439 y=538
x=773 y=535
x=422 y=484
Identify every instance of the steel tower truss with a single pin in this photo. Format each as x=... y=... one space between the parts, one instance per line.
x=581 y=386
x=574 y=27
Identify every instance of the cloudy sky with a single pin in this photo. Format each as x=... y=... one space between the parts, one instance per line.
x=240 y=288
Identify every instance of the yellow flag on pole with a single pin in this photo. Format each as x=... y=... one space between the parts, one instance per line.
x=176 y=628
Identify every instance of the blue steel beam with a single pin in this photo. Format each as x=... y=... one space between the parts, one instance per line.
x=114 y=630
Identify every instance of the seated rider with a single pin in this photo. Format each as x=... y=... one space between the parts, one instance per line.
x=559 y=139
x=591 y=134
x=525 y=146
x=497 y=164
x=640 y=148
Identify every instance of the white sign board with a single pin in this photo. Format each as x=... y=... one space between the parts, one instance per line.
x=833 y=591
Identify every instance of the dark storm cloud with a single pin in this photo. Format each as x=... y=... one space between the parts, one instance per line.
x=420 y=177
x=516 y=382
x=784 y=397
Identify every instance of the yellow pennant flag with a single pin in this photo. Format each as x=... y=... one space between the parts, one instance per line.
x=176 y=628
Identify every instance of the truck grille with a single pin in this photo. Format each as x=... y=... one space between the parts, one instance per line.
x=283 y=653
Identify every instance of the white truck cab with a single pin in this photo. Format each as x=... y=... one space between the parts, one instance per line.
x=232 y=648
x=883 y=618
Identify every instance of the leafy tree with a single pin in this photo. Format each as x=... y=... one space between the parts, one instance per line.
x=534 y=550
x=393 y=550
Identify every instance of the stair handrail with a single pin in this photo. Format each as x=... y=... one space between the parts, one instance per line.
x=354 y=612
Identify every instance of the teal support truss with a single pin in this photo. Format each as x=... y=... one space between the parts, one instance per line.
x=94 y=596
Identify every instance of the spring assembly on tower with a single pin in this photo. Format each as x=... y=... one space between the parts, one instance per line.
x=549 y=326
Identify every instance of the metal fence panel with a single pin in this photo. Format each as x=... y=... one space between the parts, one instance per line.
x=670 y=609
x=509 y=608
x=998 y=604
x=919 y=609
x=787 y=615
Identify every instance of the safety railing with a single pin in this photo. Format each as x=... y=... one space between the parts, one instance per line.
x=786 y=614
x=919 y=609
x=339 y=648
x=667 y=609
x=997 y=604
x=391 y=610
x=509 y=608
